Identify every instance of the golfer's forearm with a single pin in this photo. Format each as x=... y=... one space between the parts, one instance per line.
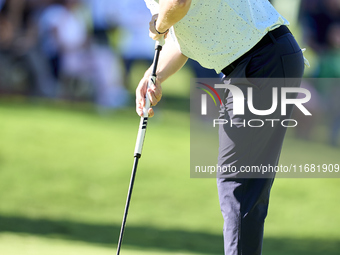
x=170 y=12
x=170 y=61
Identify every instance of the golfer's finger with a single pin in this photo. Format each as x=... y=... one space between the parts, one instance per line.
x=154 y=36
x=140 y=98
x=141 y=91
x=166 y=34
x=140 y=94
x=140 y=102
x=152 y=97
x=157 y=91
x=139 y=109
x=157 y=97
x=151 y=113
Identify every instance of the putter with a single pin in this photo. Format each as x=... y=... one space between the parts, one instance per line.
x=140 y=139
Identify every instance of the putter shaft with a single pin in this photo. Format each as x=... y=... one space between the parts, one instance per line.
x=140 y=141
x=128 y=199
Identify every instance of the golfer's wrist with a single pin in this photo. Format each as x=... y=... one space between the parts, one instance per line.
x=159 y=29
x=159 y=78
x=147 y=74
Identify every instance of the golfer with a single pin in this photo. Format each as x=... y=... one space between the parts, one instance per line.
x=243 y=39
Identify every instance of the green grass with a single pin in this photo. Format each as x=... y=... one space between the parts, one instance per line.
x=64 y=174
x=32 y=245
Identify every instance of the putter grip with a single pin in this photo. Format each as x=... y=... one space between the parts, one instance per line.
x=160 y=42
x=144 y=120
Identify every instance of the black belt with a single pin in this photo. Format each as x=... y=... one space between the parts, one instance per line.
x=266 y=40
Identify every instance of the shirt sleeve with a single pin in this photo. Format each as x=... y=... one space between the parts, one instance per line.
x=153 y=6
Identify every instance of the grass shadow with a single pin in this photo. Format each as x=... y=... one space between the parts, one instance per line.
x=145 y=237
x=107 y=234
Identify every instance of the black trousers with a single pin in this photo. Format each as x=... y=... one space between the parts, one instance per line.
x=244 y=201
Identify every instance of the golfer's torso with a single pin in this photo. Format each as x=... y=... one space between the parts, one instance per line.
x=215 y=33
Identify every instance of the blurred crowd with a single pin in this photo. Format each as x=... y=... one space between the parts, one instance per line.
x=51 y=48
x=85 y=49
x=69 y=48
x=320 y=25
x=320 y=20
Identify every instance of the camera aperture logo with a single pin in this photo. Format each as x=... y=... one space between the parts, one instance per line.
x=239 y=100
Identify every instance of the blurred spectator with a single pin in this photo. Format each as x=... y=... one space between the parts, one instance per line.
x=320 y=20
x=61 y=32
x=330 y=89
x=104 y=15
x=306 y=123
x=317 y=16
x=136 y=46
x=74 y=56
x=46 y=46
x=330 y=60
x=21 y=61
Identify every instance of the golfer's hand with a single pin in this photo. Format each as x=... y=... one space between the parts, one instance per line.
x=152 y=29
x=154 y=93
